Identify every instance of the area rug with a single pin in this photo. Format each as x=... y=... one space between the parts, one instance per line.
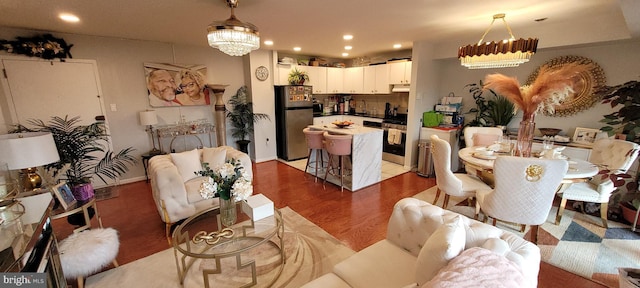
x=578 y=245
x=310 y=253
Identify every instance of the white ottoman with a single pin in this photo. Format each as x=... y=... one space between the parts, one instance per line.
x=87 y=252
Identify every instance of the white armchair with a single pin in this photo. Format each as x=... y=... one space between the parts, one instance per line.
x=477 y=136
x=614 y=155
x=177 y=198
x=524 y=190
x=457 y=184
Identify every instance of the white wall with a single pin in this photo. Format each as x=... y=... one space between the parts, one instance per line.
x=120 y=65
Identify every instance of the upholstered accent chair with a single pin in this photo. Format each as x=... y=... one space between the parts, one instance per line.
x=452 y=184
x=524 y=191
x=614 y=155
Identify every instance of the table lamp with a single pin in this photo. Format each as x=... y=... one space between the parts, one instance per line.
x=149 y=118
x=27 y=151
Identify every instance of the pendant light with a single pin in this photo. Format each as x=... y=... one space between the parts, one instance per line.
x=232 y=36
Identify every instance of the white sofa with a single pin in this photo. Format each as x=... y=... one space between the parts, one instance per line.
x=177 y=199
x=397 y=261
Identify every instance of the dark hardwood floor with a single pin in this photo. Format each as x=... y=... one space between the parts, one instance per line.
x=357 y=219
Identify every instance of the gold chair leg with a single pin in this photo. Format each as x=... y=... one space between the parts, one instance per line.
x=603 y=214
x=115 y=263
x=534 y=234
x=308 y=159
x=446 y=201
x=80 y=282
x=437 y=196
x=560 y=210
x=168 y=232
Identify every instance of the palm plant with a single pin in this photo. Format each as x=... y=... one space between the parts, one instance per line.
x=242 y=117
x=79 y=148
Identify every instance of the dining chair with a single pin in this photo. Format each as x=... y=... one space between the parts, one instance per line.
x=452 y=184
x=524 y=191
x=614 y=155
x=481 y=136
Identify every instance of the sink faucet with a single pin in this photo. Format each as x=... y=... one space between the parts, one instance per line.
x=364 y=107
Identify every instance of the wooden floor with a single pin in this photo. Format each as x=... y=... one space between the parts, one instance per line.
x=357 y=219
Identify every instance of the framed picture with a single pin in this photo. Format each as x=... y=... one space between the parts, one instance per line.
x=176 y=85
x=63 y=193
x=585 y=135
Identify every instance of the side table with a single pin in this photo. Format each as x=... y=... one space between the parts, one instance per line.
x=78 y=207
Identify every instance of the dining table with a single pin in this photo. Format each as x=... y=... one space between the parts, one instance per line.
x=579 y=170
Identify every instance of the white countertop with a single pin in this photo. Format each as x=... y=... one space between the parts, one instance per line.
x=351 y=130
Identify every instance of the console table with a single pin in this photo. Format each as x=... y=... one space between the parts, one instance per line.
x=186 y=129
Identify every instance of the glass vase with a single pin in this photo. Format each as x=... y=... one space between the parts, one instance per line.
x=228 y=214
x=525 y=137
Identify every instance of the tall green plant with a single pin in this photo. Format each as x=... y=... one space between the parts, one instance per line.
x=241 y=116
x=79 y=146
x=496 y=110
x=627 y=119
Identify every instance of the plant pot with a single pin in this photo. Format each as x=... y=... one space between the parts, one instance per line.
x=82 y=192
x=243 y=145
x=629 y=212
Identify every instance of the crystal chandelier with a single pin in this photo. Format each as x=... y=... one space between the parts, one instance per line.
x=232 y=36
x=506 y=53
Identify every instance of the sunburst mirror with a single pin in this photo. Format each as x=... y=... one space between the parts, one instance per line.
x=585 y=92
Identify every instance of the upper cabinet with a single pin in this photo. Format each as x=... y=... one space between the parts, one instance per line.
x=317 y=78
x=376 y=79
x=353 y=80
x=400 y=72
x=283 y=74
x=335 y=80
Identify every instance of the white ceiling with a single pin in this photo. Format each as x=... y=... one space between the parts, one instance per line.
x=317 y=26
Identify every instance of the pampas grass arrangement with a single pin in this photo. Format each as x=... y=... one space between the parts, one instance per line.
x=550 y=88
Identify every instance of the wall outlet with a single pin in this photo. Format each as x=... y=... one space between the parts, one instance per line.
x=114 y=108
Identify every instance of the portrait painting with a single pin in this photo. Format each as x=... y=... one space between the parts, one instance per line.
x=64 y=195
x=176 y=84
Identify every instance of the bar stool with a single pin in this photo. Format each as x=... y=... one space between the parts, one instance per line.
x=315 y=143
x=337 y=145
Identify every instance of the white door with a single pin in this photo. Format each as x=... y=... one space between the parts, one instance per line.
x=41 y=89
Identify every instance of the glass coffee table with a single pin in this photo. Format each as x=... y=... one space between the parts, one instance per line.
x=230 y=256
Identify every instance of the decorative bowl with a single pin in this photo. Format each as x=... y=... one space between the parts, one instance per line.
x=549 y=131
x=342 y=124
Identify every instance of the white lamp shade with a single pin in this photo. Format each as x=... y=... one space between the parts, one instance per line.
x=26 y=150
x=148 y=117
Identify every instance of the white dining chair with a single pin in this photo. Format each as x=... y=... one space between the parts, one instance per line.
x=481 y=136
x=524 y=191
x=614 y=155
x=452 y=184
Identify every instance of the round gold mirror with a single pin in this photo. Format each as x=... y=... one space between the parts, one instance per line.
x=585 y=92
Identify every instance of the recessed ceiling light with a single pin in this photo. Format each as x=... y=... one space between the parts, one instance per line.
x=347 y=37
x=268 y=42
x=396 y=46
x=297 y=48
x=345 y=54
x=348 y=47
x=69 y=17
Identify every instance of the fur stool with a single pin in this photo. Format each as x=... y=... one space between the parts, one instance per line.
x=87 y=252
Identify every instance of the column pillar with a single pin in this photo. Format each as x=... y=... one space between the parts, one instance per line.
x=219 y=113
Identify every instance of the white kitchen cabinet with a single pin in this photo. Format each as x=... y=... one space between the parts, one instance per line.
x=283 y=74
x=376 y=79
x=317 y=78
x=335 y=80
x=400 y=72
x=353 y=80
x=450 y=136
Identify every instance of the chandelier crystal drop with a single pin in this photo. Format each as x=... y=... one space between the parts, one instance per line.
x=232 y=36
x=507 y=53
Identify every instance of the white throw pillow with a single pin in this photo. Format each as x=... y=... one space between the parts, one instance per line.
x=214 y=156
x=188 y=163
x=445 y=243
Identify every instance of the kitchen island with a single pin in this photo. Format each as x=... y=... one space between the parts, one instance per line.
x=366 y=156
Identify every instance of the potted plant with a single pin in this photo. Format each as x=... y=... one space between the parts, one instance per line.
x=496 y=111
x=242 y=118
x=80 y=148
x=297 y=77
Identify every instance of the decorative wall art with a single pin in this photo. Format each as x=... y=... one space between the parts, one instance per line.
x=176 y=84
x=45 y=46
x=586 y=89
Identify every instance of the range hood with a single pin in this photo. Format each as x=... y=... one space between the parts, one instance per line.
x=400 y=88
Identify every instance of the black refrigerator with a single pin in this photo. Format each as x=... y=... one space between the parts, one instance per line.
x=294 y=112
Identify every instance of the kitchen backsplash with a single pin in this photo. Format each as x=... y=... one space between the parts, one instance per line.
x=375 y=104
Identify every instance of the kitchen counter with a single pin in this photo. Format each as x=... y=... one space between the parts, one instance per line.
x=366 y=156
